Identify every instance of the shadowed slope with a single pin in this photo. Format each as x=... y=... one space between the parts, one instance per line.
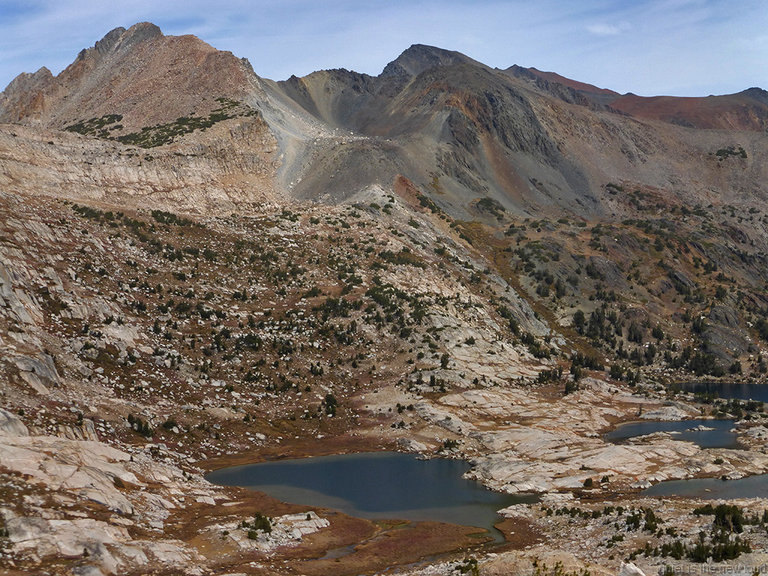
x=536 y=142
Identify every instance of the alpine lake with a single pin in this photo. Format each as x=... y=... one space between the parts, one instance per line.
x=378 y=485
x=392 y=485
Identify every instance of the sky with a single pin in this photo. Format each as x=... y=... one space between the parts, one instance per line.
x=648 y=47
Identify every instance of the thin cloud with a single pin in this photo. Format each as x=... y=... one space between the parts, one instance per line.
x=608 y=29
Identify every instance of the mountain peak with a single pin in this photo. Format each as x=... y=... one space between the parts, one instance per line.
x=419 y=57
x=121 y=38
x=141 y=32
x=21 y=96
x=757 y=94
x=138 y=73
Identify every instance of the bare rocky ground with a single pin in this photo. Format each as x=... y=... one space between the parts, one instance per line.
x=132 y=363
x=115 y=397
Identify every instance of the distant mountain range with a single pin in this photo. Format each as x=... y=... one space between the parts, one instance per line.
x=533 y=141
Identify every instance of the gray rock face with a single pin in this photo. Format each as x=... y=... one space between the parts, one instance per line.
x=420 y=58
x=10 y=298
x=724 y=316
x=724 y=337
x=629 y=569
x=681 y=280
x=38 y=370
x=609 y=272
x=10 y=425
x=122 y=39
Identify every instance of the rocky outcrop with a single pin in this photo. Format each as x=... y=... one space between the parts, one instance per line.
x=629 y=569
x=93 y=476
x=134 y=490
x=231 y=166
x=38 y=372
x=285 y=531
x=24 y=98
x=724 y=334
x=559 y=445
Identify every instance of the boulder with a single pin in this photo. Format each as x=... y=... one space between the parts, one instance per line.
x=11 y=425
x=39 y=372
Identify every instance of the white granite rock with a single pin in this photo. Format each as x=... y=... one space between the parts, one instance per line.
x=629 y=569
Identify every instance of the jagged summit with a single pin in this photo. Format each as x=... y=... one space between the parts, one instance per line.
x=22 y=80
x=420 y=57
x=756 y=93
x=120 y=38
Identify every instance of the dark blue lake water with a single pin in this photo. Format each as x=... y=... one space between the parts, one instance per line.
x=377 y=485
x=726 y=390
x=712 y=488
x=720 y=435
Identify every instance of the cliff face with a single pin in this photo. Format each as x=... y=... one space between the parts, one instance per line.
x=231 y=167
x=23 y=99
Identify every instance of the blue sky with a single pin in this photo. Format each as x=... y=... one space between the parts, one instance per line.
x=649 y=47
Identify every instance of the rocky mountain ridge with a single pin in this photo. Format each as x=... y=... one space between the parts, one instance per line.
x=469 y=131
x=458 y=129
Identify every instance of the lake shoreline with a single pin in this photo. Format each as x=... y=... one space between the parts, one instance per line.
x=379 y=485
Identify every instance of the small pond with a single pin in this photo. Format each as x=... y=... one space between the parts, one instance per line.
x=726 y=390
x=705 y=433
x=377 y=485
x=712 y=488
